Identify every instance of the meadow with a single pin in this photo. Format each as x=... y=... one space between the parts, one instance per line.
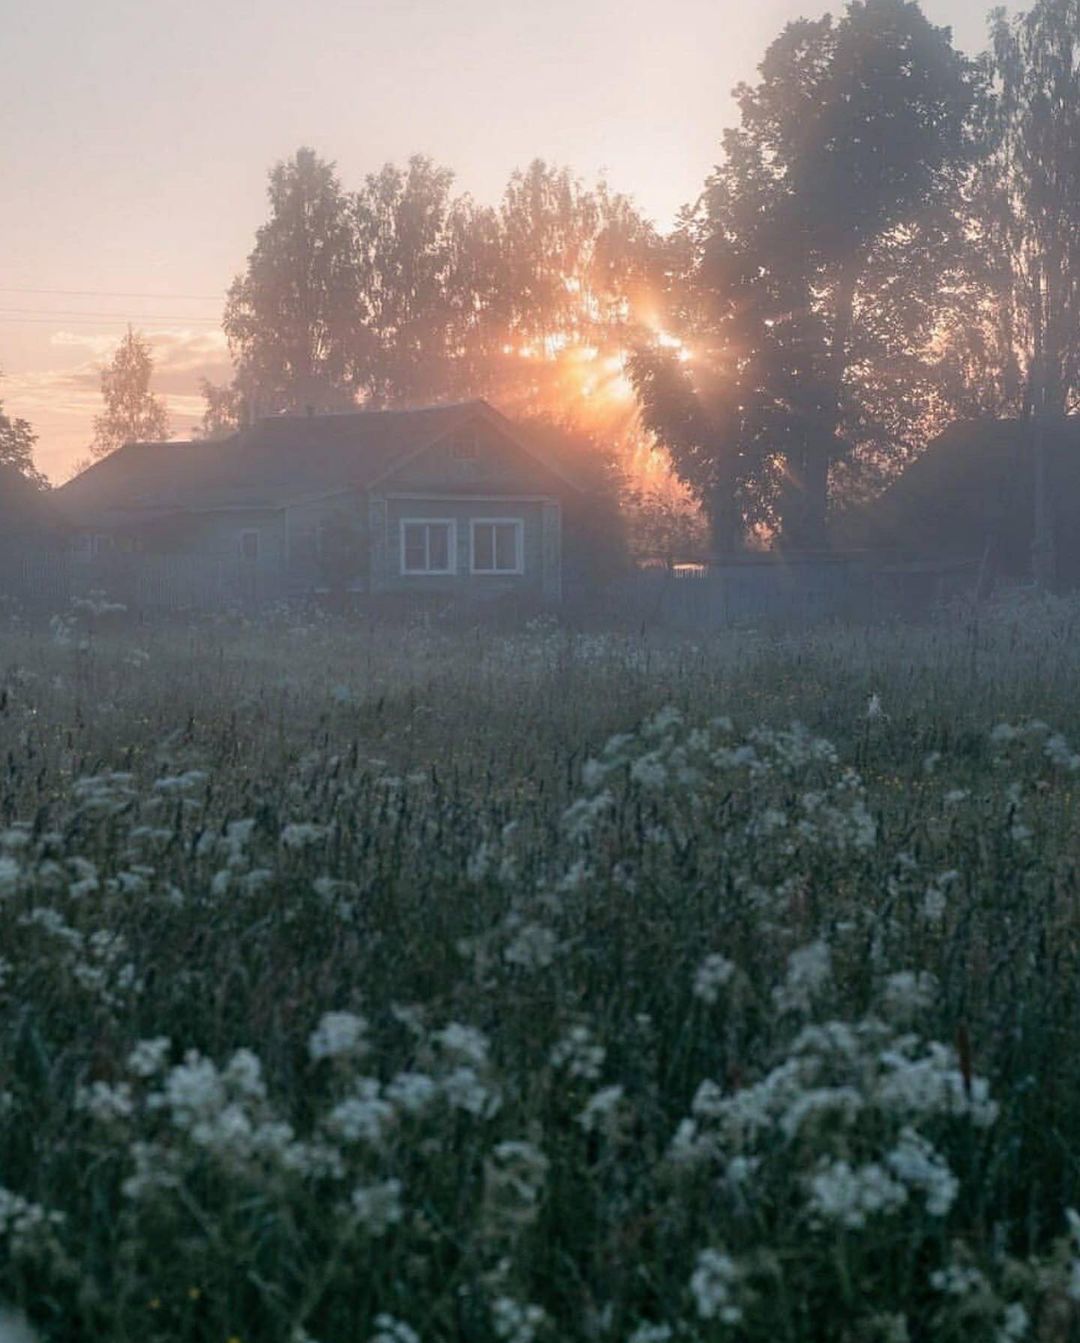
x=401 y=983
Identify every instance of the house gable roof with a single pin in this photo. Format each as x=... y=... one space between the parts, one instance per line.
x=975 y=482
x=277 y=461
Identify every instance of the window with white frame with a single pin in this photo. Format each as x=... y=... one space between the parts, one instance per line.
x=427 y=546
x=249 y=546
x=498 y=546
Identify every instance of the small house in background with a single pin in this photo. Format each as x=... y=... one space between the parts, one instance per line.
x=452 y=499
x=970 y=499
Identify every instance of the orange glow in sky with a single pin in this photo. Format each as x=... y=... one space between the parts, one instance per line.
x=137 y=138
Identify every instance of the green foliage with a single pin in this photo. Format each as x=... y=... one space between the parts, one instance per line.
x=294 y=317
x=1025 y=234
x=225 y=409
x=17 y=439
x=816 y=262
x=367 y=983
x=133 y=414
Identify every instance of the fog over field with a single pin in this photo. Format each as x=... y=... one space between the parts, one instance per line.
x=539 y=744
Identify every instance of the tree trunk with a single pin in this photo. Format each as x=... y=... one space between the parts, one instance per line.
x=804 y=511
x=725 y=514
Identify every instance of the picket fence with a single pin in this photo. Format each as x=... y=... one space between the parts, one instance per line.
x=53 y=580
x=765 y=589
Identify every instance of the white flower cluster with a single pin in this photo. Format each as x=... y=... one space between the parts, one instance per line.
x=516 y=1322
x=712 y=974
x=712 y=1286
x=23 y=1223
x=579 y=1054
x=839 y=1089
x=338 y=1035
x=514 y=1177
x=848 y=1196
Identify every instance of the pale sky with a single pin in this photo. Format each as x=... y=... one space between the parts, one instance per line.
x=135 y=137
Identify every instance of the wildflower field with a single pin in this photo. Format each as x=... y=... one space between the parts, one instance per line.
x=368 y=984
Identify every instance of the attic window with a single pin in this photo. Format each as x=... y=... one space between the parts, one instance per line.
x=465 y=447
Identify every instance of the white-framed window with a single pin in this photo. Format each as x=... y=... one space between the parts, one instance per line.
x=428 y=545
x=497 y=546
x=249 y=546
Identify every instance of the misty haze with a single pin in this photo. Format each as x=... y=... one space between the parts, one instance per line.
x=539 y=646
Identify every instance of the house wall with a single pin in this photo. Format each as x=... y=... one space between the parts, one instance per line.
x=476 y=460
x=540 y=578
x=199 y=555
x=478 y=472
x=314 y=561
x=217 y=536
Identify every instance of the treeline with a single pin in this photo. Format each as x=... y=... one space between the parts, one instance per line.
x=890 y=241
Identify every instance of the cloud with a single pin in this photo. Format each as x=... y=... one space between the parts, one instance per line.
x=61 y=402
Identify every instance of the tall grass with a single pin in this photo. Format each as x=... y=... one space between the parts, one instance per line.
x=392 y=982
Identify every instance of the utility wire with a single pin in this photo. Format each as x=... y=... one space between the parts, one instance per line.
x=107 y=293
x=48 y=313
x=99 y=321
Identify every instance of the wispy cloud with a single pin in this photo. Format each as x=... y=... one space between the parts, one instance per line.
x=61 y=402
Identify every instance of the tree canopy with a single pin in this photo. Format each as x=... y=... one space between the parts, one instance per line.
x=133 y=414
x=17 y=439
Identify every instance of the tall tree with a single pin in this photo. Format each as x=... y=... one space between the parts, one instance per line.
x=811 y=242
x=408 y=230
x=17 y=439
x=133 y=414
x=224 y=409
x=1028 y=206
x=294 y=318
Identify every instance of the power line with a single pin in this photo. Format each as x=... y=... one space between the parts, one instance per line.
x=107 y=293
x=48 y=313
x=209 y=322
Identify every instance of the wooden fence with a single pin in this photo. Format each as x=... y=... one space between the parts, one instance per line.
x=53 y=580
x=764 y=589
x=792 y=591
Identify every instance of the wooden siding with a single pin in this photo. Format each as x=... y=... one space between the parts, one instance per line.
x=475 y=460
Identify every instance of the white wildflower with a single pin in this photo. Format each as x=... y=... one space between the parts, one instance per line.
x=464 y=1043
x=579 y=1054
x=514 y=1178
x=1015 y=1323
x=907 y=993
x=14 y=1328
x=712 y=1286
x=1058 y=753
x=515 y=1322
x=601 y=1109
x=363 y=1116
x=846 y=1195
x=464 y=1089
x=957 y=1280
x=411 y=1092
x=302 y=835
x=105 y=1103
x=919 y=1166
x=378 y=1206
x=338 y=1035
x=532 y=948
x=808 y=971
x=388 y=1329
x=650 y=1333
x=712 y=974
x=9 y=875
